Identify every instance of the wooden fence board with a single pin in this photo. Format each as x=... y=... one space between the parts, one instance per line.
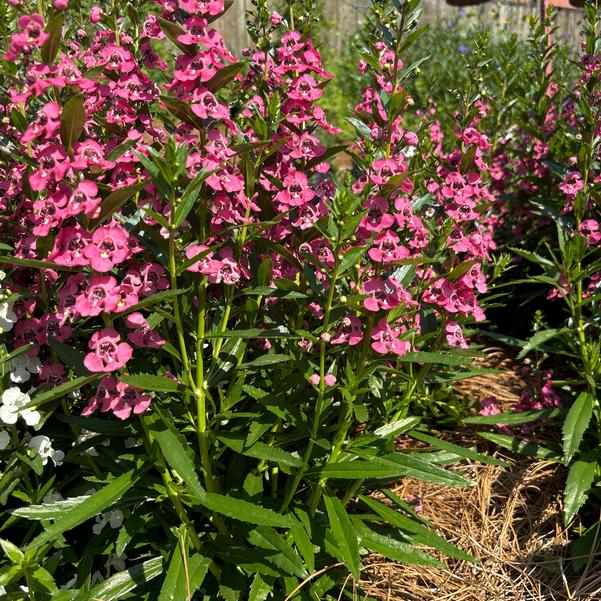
x=343 y=16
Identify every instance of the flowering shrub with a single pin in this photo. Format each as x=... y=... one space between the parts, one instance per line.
x=219 y=334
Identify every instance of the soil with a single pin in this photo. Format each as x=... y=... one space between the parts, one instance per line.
x=510 y=521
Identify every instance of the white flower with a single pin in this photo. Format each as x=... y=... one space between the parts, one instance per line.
x=23 y=366
x=4 y=439
x=7 y=316
x=113 y=518
x=13 y=406
x=43 y=447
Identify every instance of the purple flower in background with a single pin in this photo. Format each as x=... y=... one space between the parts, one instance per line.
x=463 y=49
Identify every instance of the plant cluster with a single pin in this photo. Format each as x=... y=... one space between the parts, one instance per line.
x=212 y=338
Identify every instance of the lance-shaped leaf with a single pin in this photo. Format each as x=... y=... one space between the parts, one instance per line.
x=54 y=29
x=579 y=481
x=189 y=197
x=115 y=200
x=120 y=584
x=576 y=423
x=91 y=507
x=73 y=118
x=344 y=533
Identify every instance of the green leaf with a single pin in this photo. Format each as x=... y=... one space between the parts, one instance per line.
x=260 y=590
x=520 y=417
x=154 y=299
x=179 y=460
x=351 y=258
x=515 y=444
x=263 y=360
x=260 y=450
x=17 y=353
x=436 y=358
x=392 y=548
x=94 y=505
x=189 y=197
x=35 y=263
x=576 y=423
x=281 y=332
x=12 y=551
x=453 y=448
x=62 y=390
x=175 y=587
x=73 y=118
x=150 y=383
x=114 y=201
x=534 y=258
x=245 y=511
x=420 y=534
x=172 y=31
x=71 y=357
x=357 y=470
x=579 y=481
x=538 y=339
x=344 y=533
x=223 y=77
x=120 y=584
x=54 y=29
x=280 y=553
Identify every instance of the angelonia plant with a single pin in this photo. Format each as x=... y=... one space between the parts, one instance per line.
x=212 y=334
x=548 y=176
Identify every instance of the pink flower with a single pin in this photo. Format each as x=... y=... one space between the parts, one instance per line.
x=589 y=228
x=53 y=162
x=348 y=331
x=94 y=14
x=53 y=373
x=60 y=4
x=225 y=270
x=117 y=58
x=572 y=184
x=153 y=279
x=203 y=265
x=203 y=7
x=275 y=18
x=196 y=28
x=387 y=248
x=109 y=247
x=386 y=339
x=142 y=335
x=130 y=400
x=46 y=124
x=296 y=190
x=377 y=218
x=69 y=247
x=455 y=335
x=84 y=199
x=109 y=353
x=89 y=154
x=100 y=296
x=118 y=397
x=305 y=88
x=383 y=294
x=206 y=106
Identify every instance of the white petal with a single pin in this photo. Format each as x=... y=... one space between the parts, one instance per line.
x=8 y=416
x=4 y=439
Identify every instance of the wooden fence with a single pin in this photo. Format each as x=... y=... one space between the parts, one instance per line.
x=343 y=16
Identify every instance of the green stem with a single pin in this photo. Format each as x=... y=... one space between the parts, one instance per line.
x=320 y=393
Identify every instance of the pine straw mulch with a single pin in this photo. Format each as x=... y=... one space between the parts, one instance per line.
x=511 y=521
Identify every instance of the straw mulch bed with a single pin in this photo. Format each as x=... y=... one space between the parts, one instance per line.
x=510 y=521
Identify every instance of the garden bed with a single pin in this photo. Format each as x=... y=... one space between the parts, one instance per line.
x=511 y=522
